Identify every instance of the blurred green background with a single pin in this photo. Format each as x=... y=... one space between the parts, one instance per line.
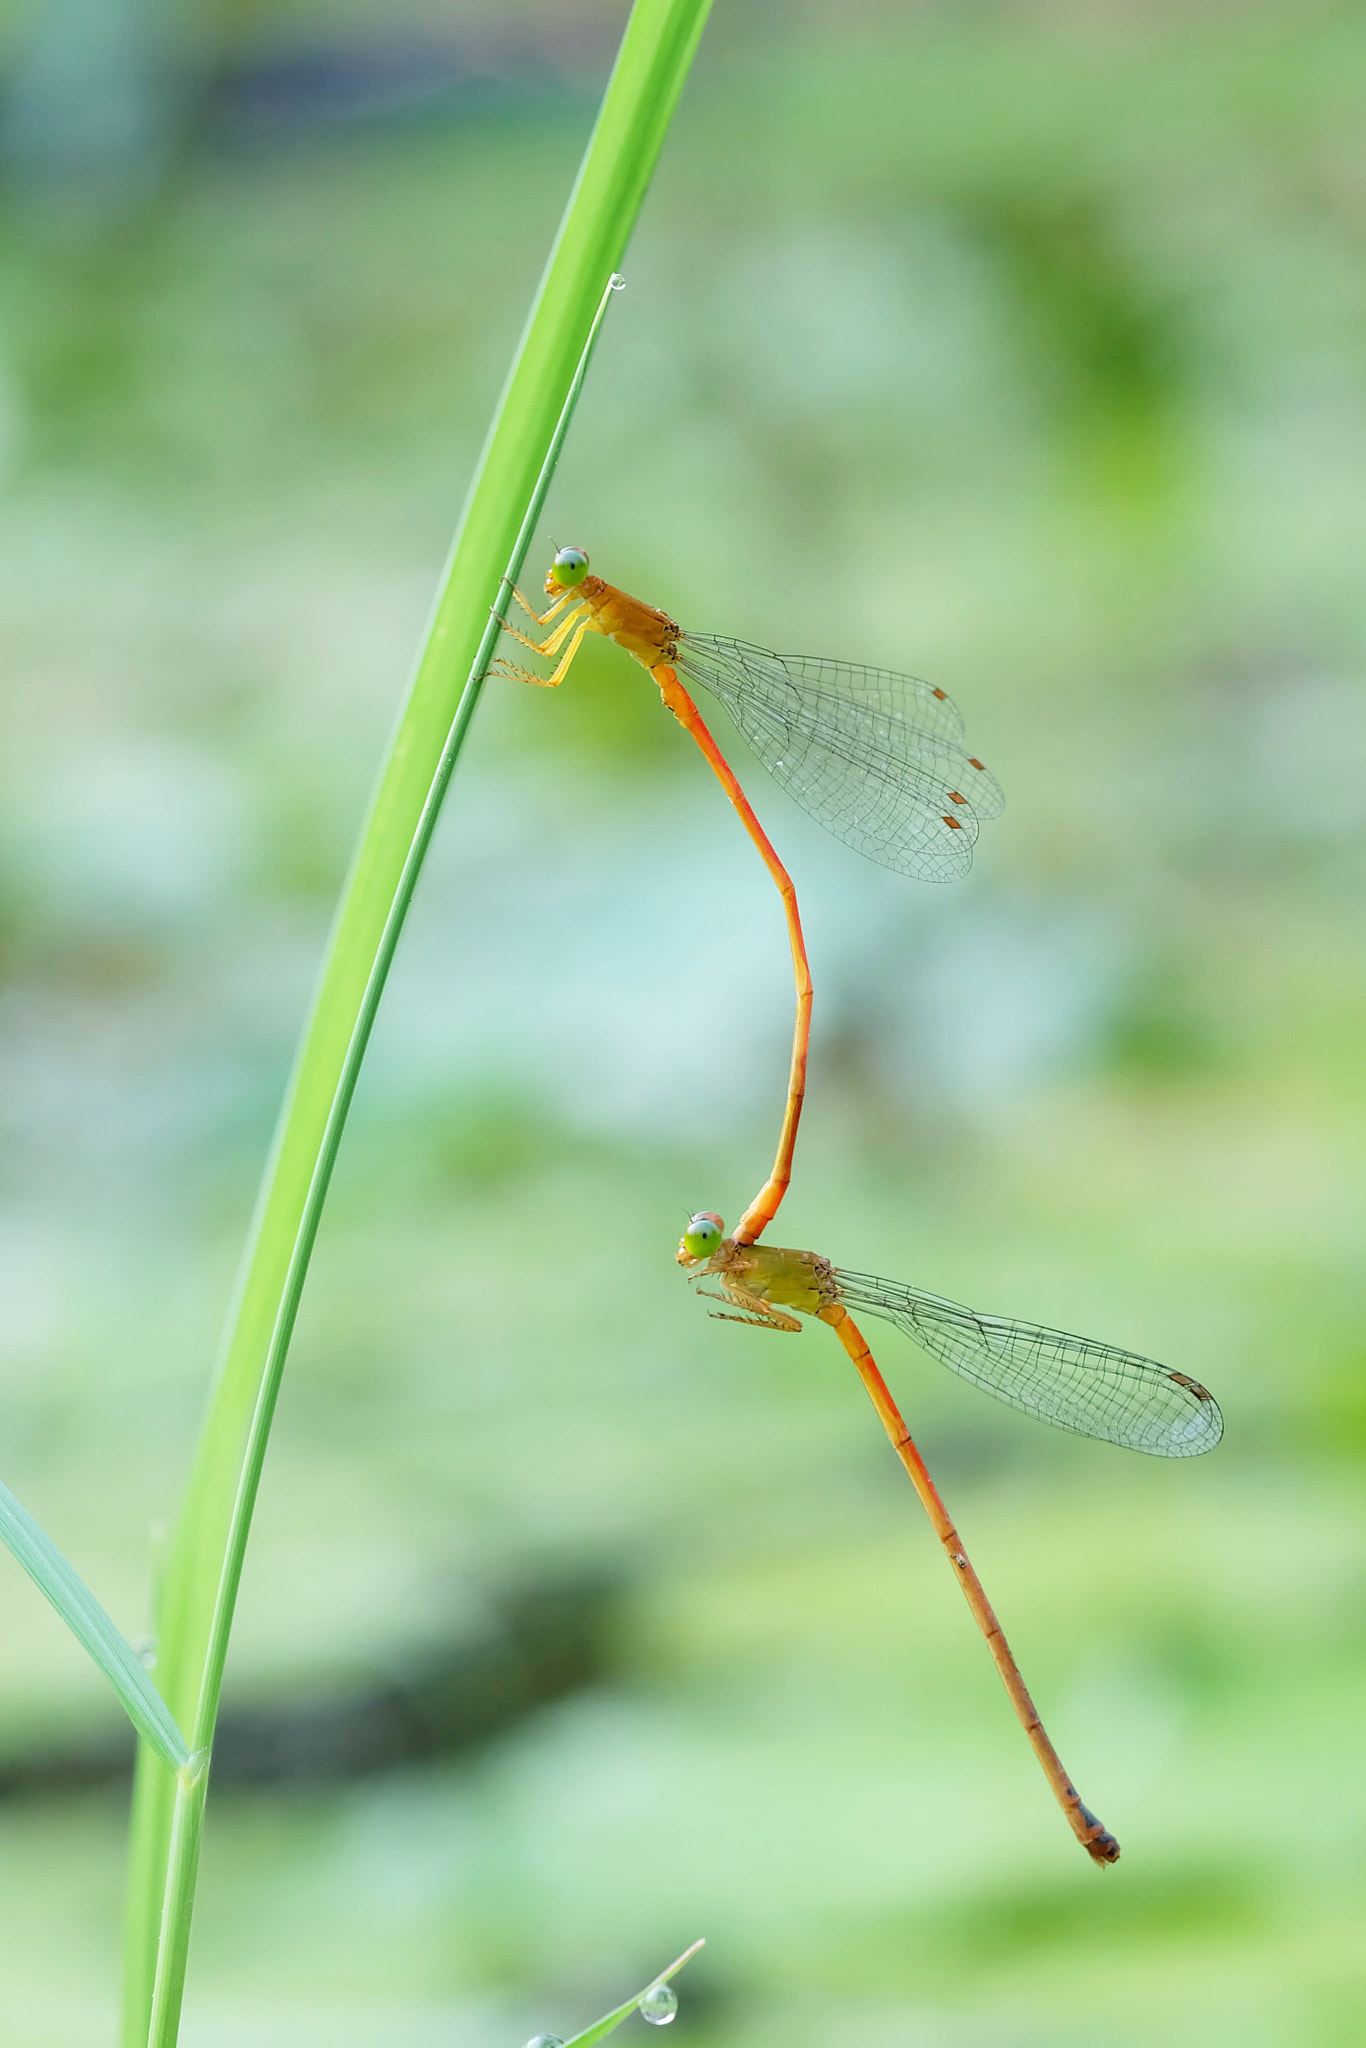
x=1017 y=345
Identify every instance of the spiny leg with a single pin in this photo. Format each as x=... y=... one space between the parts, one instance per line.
x=759 y=1311
x=719 y=1315
x=553 y=640
x=542 y=618
x=550 y=682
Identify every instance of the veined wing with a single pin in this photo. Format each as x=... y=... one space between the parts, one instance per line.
x=1092 y=1389
x=906 y=698
x=845 y=743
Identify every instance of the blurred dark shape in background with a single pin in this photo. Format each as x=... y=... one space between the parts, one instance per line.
x=540 y=1643
x=103 y=96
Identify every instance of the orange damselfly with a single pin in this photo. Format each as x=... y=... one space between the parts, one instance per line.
x=1074 y=1383
x=878 y=758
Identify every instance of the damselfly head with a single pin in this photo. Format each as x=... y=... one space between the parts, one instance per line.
x=704 y=1233
x=569 y=568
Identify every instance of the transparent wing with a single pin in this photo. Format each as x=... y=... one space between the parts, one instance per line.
x=1071 y=1382
x=907 y=698
x=875 y=757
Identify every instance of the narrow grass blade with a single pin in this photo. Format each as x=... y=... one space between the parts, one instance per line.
x=612 y=2020
x=205 y=1556
x=187 y=1824
x=62 y=1584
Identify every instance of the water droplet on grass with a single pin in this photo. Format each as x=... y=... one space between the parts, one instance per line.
x=545 y=2041
x=659 y=2005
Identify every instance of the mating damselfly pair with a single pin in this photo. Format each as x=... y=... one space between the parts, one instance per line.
x=880 y=759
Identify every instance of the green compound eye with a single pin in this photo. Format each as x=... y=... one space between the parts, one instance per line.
x=569 y=567
x=703 y=1235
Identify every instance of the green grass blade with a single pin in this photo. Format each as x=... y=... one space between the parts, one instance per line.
x=60 y=1582
x=611 y=2020
x=205 y=1555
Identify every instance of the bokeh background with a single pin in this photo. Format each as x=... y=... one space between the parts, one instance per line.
x=1018 y=345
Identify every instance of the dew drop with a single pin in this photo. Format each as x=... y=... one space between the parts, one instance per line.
x=545 y=2041
x=659 y=2005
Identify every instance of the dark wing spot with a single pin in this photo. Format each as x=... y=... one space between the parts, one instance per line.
x=957 y=799
x=953 y=824
x=977 y=764
x=942 y=695
x=1191 y=1386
